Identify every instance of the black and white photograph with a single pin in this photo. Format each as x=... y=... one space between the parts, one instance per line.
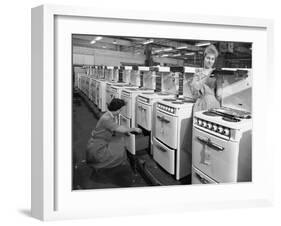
x=151 y=114
x=152 y=111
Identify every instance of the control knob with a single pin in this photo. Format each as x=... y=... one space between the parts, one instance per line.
x=215 y=127
x=204 y=124
x=220 y=129
x=209 y=125
x=226 y=132
x=199 y=122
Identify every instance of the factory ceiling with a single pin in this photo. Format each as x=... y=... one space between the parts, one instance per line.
x=162 y=47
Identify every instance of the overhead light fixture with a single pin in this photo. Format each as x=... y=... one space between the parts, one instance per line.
x=203 y=44
x=93 y=42
x=148 y=41
x=104 y=47
x=114 y=42
x=178 y=54
x=182 y=47
x=158 y=50
x=165 y=55
x=98 y=38
x=189 y=54
x=168 y=49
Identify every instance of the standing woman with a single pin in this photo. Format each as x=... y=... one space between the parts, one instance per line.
x=105 y=149
x=205 y=88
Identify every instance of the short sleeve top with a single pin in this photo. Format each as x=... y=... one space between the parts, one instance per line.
x=106 y=126
x=107 y=122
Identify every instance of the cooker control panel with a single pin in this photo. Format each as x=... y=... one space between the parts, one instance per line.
x=166 y=108
x=113 y=89
x=212 y=127
x=126 y=93
x=143 y=99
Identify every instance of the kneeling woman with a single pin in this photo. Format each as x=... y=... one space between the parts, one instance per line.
x=105 y=149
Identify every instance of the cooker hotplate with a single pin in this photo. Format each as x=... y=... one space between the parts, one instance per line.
x=163 y=94
x=228 y=114
x=170 y=99
x=180 y=100
x=143 y=88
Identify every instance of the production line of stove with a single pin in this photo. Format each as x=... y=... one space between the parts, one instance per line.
x=212 y=146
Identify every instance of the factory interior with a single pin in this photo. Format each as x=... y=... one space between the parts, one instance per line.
x=154 y=77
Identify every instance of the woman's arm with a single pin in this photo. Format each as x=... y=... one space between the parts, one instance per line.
x=219 y=84
x=197 y=83
x=111 y=125
x=124 y=129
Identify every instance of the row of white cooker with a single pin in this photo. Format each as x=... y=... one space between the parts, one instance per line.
x=214 y=147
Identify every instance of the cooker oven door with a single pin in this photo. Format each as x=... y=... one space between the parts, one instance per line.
x=115 y=95
x=127 y=109
x=200 y=178
x=144 y=114
x=87 y=87
x=92 y=91
x=129 y=138
x=108 y=96
x=164 y=156
x=166 y=129
x=102 y=99
x=98 y=96
x=215 y=157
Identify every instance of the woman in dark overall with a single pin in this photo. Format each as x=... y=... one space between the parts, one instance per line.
x=106 y=152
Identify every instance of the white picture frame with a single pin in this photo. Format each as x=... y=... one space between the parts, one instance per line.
x=52 y=197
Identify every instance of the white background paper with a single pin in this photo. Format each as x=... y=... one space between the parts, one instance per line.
x=15 y=113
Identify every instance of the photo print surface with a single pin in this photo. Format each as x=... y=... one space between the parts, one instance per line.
x=157 y=112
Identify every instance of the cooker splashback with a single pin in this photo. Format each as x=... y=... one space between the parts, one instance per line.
x=237 y=91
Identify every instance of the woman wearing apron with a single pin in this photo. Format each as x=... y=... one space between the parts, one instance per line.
x=206 y=89
x=106 y=153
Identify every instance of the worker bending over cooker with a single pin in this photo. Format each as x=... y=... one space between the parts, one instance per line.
x=105 y=150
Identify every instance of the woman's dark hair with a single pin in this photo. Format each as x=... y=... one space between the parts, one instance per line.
x=116 y=104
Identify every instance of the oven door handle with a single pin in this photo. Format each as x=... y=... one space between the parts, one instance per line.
x=215 y=146
x=210 y=144
x=141 y=108
x=162 y=119
x=161 y=148
x=202 y=140
x=202 y=180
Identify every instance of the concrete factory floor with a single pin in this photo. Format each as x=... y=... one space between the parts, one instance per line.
x=146 y=172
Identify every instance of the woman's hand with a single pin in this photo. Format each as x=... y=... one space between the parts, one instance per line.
x=137 y=130
x=198 y=81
